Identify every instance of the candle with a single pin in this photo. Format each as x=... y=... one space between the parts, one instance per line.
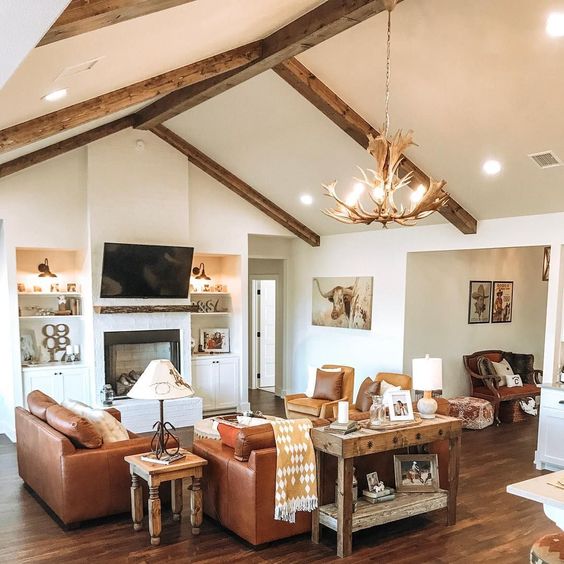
x=69 y=349
x=76 y=349
x=343 y=412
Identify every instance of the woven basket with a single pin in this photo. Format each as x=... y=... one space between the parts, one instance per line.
x=511 y=412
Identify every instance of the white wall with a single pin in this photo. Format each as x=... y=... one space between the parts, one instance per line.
x=383 y=255
x=436 y=308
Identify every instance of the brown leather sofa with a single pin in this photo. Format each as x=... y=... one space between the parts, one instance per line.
x=76 y=483
x=299 y=405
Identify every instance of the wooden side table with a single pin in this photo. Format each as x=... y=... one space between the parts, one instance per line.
x=156 y=474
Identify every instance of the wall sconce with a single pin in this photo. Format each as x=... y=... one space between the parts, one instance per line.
x=199 y=272
x=44 y=270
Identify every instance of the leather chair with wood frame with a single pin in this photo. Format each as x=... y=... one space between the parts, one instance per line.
x=298 y=406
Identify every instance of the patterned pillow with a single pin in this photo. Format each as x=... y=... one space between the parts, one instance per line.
x=514 y=381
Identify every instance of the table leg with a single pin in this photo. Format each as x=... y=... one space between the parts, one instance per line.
x=453 y=468
x=315 y=526
x=344 y=506
x=136 y=503
x=154 y=515
x=196 y=516
x=176 y=497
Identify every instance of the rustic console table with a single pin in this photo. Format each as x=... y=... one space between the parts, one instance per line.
x=339 y=515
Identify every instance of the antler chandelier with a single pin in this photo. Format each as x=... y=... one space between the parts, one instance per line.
x=382 y=184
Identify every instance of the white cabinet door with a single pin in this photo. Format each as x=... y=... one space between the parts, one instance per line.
x=48 y=381
x=227 y=394
x=551 y=443
x=204 y=381
x=75 y=384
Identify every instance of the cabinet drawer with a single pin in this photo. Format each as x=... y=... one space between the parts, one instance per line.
x=552 y=398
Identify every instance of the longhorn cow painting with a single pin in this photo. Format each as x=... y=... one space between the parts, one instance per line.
x=342 y=302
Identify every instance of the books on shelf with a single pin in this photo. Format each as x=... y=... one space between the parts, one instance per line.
x=343 y=428
x=386 y=494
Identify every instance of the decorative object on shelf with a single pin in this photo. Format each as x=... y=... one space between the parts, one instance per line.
x=207 y=306
x=71 y=287
x=502 y=311
x=342 y=302
x=45 y=271
x=377 y=411
x=21 y=287
x=74 y=305
x=37 y=289
x=391 y=425
x=374 y=483
x=546 y=264
x=387 y=494
x=72 y=353
x=343 y=428
x=201 y=279
x=56 y=339
x=107 y=395
x=220 y=288
x=39 y=311
x=214 y=340
x=399 y=405
x=342 y=412
x=416 y=472
x=54 y=288
x=161 y=381
x=28 y=346
x=427 y=376
x=385 y=184
x=479 y=302
x=193 y=347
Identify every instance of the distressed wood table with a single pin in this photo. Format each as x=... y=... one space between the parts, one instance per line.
x=339 y=515
x=155 y=474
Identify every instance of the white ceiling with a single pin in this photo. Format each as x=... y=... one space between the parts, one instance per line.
x=475 y=80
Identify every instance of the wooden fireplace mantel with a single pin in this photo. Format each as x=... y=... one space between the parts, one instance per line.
x=192 y=308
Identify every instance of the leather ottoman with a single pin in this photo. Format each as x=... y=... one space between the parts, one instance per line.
x=475 y=413
x=548 y=549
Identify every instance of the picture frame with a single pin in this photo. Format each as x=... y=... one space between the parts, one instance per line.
x=546 y=264
x=416 y=472
x=502 y=309
x=479 y=301
x=71 y=287
x=29 y=352
x=373 y=481
x=214 y=340
x=400 y=406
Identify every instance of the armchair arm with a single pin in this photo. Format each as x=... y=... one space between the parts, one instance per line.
x=329 y=409
x=537 y=376
x=290 y=397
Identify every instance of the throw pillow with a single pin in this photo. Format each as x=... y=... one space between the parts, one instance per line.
x=106 y=424
x=80 y=431
x=38 y=403
x=514 y=381
x=328 y=385
x=311 y=375
x=485 y=366
x=503 y=370
x=228 y=434
x=363 y=399
x=386 y=388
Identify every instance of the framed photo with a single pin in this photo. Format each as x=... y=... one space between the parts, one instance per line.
x=479 y=301
x=546 y=264
x=71 y=287
x=399 y=405
x=502 y=311
x=372 y=481
x=416 y=472
x=214 y=340
x=28 y=346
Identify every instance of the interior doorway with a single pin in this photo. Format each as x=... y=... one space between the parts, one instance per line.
x=263 y=333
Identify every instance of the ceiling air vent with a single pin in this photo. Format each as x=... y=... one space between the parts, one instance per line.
x=546 y=159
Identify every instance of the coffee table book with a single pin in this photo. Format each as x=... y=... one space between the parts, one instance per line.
x=166 y=459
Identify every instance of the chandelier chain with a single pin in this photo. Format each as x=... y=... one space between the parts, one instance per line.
x=388 y=72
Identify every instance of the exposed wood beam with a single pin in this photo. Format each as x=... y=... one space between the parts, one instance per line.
x=235 y=184
x=65 y=146
x=341 y=114
x=44 y=126
x=316 y=26
x=87 y=15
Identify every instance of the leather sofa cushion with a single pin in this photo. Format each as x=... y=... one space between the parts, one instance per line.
x=228 y=434
x=363 y=399
x=80 y=431
x=253 y=438
x=308 y=406
x=38 y=402
x=328 y=385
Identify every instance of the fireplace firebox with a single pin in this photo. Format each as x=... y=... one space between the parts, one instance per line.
x=128 y=353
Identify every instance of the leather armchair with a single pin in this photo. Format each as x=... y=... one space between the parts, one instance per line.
x=299 y=406
x=76 y=483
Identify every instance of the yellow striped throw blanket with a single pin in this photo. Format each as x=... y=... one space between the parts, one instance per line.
x=296 y=483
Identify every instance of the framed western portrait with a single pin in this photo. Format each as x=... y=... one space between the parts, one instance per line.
x=479 y=301
x=502 y=309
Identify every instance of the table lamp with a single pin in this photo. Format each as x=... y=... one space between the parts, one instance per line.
x=161 y=381
x=427 y=376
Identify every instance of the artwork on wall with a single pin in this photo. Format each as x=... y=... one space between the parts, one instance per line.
x=214 y=340
x=28 y=346
x=479 y=301
x=546 y=264
x=502 y=310
x=342 y=302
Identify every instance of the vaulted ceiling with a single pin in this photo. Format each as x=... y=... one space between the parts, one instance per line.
x=475 y=80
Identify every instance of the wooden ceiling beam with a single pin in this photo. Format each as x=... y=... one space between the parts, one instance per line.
x=341 y=114
x=65 y=146
x=82 y=16
x=314 y=27
x=236 y=185
x=83 y=112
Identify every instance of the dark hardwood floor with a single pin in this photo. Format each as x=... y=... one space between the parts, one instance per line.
x=493 y=526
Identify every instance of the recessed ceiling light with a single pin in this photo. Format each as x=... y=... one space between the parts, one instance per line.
x=306 y=199
x=491 y=167
x=555 y=24
x=56 y=95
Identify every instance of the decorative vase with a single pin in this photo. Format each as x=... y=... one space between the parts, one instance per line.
x=377 y=416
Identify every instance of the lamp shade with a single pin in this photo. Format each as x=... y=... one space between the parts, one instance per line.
x=427 y=374
x=161 y=381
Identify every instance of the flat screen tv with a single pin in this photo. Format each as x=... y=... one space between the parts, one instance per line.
x=145 y=271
